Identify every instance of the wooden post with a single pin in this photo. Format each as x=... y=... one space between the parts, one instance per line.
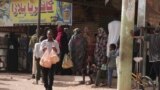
x=126 y=45
x=39 y=18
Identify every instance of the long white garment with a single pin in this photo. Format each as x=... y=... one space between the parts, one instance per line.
x=33 y=65
x=37 y=52
x=114 y=33
x=106 y=2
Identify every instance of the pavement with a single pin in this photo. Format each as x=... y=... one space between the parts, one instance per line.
x=20 y=81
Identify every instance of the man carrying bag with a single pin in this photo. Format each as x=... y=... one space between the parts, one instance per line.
x=50 y=48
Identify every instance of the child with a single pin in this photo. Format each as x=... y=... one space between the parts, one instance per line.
x=101 y=73
x=90 y=72
x=111 y=63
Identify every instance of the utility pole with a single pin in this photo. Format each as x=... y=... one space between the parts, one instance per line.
x=39 y=18
x=126 y=45
x=141 y=22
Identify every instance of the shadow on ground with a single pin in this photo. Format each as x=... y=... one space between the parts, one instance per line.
x=7 y=79
x=102 y=87
x=4 y=89
x=3 y=84
x=63 y=84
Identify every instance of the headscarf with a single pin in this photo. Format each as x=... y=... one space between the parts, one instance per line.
x=78 y=49
x=76 y=31
x=60 y=32
x=100 y=50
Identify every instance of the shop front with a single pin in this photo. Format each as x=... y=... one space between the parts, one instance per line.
x=20 y=17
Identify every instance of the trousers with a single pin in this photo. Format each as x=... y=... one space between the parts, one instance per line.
x=157 y=70
x=48 y=76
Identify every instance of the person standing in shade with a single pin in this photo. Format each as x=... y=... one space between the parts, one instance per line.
x=100 y=48
x=48 y=73
x=78 y=51
x=154 y=50
x=37 y=55
x=100 y=53
x=12 y=54
x=111 y=63
x=90 y=52
x=63 y=44
x=33 y=40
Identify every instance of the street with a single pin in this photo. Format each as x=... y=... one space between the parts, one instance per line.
x=21 y=81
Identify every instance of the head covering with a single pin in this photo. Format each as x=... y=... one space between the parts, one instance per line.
x=60 y=29
x=59 y=35
x=77 y=31
x=78 y=49
x=100 y=49
x=101 y=32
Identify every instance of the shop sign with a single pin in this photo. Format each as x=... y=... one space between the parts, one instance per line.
x=52 y=12
x=26 y=12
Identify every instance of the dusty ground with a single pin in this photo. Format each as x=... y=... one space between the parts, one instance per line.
x=24 y=82
x=21 y=81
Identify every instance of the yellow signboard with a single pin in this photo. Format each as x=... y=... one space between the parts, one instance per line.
x=52 y=11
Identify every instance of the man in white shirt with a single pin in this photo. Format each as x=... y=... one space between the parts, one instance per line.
x=48 y=73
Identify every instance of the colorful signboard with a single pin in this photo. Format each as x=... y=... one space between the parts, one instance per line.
x=52 y=12
x=4 y=13
x=26 y=12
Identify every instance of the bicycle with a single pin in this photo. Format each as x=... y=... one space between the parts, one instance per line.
x=142 y=82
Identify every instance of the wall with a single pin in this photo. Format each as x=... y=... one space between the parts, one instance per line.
x=153 y=12
x=3 y=48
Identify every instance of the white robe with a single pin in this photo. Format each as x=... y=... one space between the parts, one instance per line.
x=114 y=33
x=106 y=2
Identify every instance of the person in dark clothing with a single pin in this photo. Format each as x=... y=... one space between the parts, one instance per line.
x=78 y=50
x=12 y=54
x=136 y=51
x=150 y=69
x=90 y=53
x=62 y=39
x=48 y=77
x=136 y=47
x=65 y=41
x=154 y=50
